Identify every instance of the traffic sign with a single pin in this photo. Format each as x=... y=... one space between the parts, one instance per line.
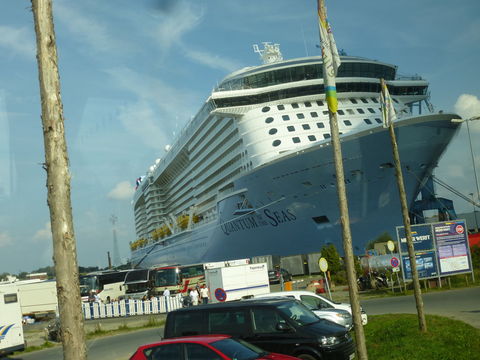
x=390 y=245
x=220 y=294
x=394 y=262
x=323 y=264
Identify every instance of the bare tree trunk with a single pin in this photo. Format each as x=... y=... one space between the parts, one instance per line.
x=58 y=185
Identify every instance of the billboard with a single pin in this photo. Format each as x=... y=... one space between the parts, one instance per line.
x=426 y=265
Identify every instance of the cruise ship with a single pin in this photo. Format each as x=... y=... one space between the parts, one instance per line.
x=253 y=172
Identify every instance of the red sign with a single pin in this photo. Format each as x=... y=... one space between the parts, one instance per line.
x=459 y=229
x=394 y=262
x=220 y=294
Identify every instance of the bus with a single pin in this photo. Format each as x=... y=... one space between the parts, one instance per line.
x=138 y=284
x=108 y=285
x=177 y=278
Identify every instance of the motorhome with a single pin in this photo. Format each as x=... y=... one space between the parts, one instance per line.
x=11 y=329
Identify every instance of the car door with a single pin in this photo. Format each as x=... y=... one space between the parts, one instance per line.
x=266 y=334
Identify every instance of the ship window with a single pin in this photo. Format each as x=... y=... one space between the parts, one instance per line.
x=321 y=219
x=300 y=116
x=347 y=122
x=326 y=136
x=308 y=104
x=272 y=131
x=296 y=140
x=364 y=100
x=367 y=121
x=378 y=120
x=354 y=101
x=291 y=128
x=350 y=111
x=313 y=114
x=325 y=112
x=361 y=111
x=371 y=110
x=276 y=142
x=285 y=117
x=320 y=125
x=269 y=120
x=375 y=100
x=280 y=107
x=306 y=127
x=312 y=137
x=341 y=112
x=295 y=105
x=266 y=109
x=319 y=102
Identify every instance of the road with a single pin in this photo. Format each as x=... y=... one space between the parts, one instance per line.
x=460 y=304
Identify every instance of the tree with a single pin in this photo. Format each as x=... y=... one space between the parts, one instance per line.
x=330 y=253
x=383 y=238
x=58 y=186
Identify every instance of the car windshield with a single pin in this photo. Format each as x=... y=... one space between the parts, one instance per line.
x=298 y=313
x=238 y=349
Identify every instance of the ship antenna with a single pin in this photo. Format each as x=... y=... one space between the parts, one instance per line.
x=270 y=52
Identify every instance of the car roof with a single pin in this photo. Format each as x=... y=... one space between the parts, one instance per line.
x=189 y=339
x=238 y=304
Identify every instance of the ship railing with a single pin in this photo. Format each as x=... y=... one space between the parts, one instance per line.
x=124 y=308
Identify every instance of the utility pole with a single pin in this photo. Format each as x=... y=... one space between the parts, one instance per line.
x=403 y=202
x=58 y=186
x=331 y=62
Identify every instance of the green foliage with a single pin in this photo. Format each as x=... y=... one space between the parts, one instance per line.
x=397 y=337
x=330 y=253
x=380 y=239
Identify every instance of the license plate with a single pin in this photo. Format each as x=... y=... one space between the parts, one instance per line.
x=352 y=356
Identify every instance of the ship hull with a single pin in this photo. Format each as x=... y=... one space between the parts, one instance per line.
x=296 y=202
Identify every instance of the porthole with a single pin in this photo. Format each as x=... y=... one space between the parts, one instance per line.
x=272 y=131
x=361 y=111
x=320 y=125
x=350 y=112
x=306 y=127
x=269 y=120
x=313 y=114
x=280 y=107
x=300 y=116
x=326 y=136
x=375 y=100
x=285 y=117
x=340 y=112
x=378 y=120
x=296 y=140
x=295 y=105
x=266 y=109
x=308 y=104
x=364 y=100
x=347 y=122
x=312 y=138
x=325 y=112
x=276 y=142
x=354 y=101
x=371 y=110
x=367 y=121
x=319 y=103
x=291 y=128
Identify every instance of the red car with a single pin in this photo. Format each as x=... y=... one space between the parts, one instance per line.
x=204 y=347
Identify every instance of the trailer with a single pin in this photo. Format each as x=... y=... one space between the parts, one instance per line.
x=11 y=328
x=38 y=299
x=237 y=282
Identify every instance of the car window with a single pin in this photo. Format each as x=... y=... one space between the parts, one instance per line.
x=313 y=302
x=237 y=349
x=167 y=351
x=233 y=322
x=265 y=320
x=188 y=323
x=200 y=352
x=298 y=313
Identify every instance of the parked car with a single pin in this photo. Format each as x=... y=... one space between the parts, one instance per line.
x=274 y=276
x=280 y=325
x=317 y=302
x=208 y=347
x=338 y=316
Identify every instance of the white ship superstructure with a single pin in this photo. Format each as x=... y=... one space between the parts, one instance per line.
x=252 y=173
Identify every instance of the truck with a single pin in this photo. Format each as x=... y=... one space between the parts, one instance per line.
x=38 y=298
x=235 y=282
x=11 y=328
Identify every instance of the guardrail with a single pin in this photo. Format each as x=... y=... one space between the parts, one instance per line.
x=156 y=305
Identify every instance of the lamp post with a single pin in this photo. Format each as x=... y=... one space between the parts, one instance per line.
x=474 y=213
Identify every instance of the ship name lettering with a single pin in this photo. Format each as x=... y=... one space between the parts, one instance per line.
x=279 y=217
x=237 y=225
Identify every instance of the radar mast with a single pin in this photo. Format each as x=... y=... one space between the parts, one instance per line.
x=270 y=52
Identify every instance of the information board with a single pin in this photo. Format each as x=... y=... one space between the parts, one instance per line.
x=426 y=265
x=421 y=236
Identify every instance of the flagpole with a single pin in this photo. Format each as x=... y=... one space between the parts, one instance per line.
x=387 y=109
x=331 y=61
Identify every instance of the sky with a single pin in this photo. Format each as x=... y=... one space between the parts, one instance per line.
x=134 y=72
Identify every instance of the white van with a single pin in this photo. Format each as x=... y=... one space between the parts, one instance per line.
x=318 y=303
x=11 y=329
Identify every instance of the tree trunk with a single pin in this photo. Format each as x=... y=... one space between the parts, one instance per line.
x=58 y=185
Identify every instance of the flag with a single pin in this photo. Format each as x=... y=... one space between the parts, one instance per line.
x=330 y=57
x=388 y=111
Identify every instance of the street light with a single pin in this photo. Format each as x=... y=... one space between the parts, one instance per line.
x=474 y=213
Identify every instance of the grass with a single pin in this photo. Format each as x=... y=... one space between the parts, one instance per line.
x=45 y=345
x=397 y=337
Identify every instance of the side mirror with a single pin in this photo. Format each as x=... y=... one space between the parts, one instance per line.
x=281 y=326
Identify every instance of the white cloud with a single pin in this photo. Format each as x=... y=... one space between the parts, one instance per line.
x=123 y=190
x=5 y=239
x=18 y=40
x=211 y=60
x=43 y=234
x=467 y=106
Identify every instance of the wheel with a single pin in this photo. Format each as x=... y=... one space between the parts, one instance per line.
x=306 y=357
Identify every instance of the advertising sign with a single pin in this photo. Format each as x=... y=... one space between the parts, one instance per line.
x=452 y=247
x=421 y=235
x=426 y=265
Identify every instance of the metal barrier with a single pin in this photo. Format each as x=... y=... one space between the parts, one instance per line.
x=156 y=305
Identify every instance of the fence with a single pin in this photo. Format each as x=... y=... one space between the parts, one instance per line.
x=156 y=305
